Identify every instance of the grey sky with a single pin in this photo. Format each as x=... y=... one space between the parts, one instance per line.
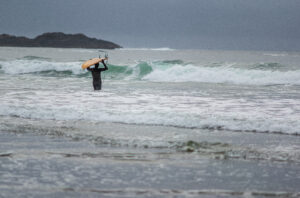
x=204 y=24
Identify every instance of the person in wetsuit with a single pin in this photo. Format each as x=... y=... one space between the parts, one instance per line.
x=96 y=73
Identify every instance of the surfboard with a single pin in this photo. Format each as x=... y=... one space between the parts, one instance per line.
x=91 y=62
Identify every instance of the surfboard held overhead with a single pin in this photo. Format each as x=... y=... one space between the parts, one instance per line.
x=92 y=62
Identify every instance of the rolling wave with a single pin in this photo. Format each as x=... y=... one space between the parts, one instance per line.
x=163 y=71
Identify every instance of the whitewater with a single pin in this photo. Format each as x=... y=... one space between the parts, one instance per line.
x=235 y=110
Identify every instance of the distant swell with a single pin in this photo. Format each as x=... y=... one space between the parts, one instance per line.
x=163 y=71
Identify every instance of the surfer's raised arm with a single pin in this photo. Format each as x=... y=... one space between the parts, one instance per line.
x=105 y=67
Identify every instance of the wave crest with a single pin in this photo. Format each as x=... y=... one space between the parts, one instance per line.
x=163 y=71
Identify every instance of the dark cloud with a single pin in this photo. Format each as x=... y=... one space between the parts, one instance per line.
x=210 y=24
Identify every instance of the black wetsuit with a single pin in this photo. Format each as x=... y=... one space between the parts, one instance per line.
x=96 y=72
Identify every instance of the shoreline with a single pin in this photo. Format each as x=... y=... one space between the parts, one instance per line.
x=205 y=143
x=42 y=164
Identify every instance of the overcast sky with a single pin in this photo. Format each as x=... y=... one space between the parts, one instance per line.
x=200 y=24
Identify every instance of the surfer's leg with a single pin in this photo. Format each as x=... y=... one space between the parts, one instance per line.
x=97 y=86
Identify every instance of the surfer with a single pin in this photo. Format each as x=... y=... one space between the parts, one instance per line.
x=96 y=73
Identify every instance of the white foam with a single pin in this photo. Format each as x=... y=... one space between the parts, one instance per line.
x=180 y=111
x=191 y=73
x=29 y=66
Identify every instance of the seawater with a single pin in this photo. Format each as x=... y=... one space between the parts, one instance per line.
x=160 y=111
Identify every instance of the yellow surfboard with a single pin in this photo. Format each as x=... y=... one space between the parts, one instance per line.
x=91 y=62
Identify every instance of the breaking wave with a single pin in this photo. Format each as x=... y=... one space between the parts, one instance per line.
x=163 y=71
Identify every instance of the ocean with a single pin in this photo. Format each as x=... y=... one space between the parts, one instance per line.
x=167 y=123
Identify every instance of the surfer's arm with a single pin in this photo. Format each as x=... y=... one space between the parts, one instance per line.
x=105 y=67
x=89 y=69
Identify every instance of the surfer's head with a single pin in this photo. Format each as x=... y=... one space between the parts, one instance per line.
x=96 y=65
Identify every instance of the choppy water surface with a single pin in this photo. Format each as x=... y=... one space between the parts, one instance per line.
x=167 y=123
